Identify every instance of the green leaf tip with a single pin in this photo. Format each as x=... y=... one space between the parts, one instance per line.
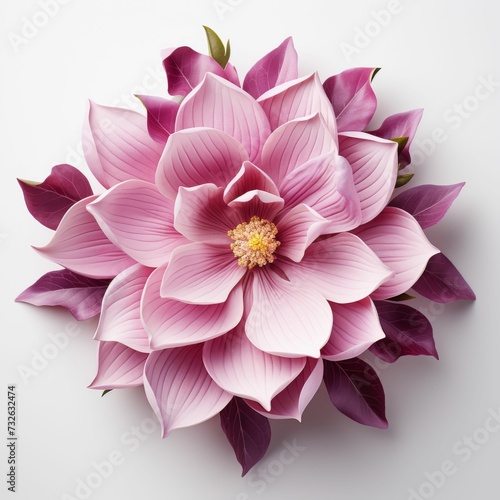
x=105 y=392
x=403 y=179
x=216 y=48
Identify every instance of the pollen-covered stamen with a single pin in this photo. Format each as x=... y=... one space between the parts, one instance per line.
x=254 y=242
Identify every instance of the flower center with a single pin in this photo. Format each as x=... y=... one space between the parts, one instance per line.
x=254 y=242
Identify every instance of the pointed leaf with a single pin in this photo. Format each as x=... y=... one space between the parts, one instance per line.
x=408 y=333
x=441 y=282
x=82 y=296
x=161 y=115
x=401 y=297
x=248 y=432
x=216 y=48
x=356 y=391
x=48 y=201
x=403 y=179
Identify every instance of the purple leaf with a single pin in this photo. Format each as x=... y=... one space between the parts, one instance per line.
x=427 y=203
x=408 y=333
x=82 y=296
x=356 y=391
x=401 y=125
x=275 y=68
x=442 y=283
x=161 y=116
x=247 y=431
x=48 y=201
x=352 y=97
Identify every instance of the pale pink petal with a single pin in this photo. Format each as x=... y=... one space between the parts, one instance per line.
x=80 y=245
x=326 y=185
x=240 y=368
x=260 y=203
x=119 y=367
x=397 y=238
x=374 y=165
x=120 y=319
x=287 y=319
x=294 y=143
x=139 y=221
x=219 y=104
x=179 y=388
x=118 y=145
x=200 y=273
x=293 y=400
x=198 y=156
x=341 y=268
x=297 y=99
x=356 y=327
x=171 y=323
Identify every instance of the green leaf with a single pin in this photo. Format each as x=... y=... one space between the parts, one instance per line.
x=401 y=298
x=105 y=392
x=216 y=48
x=402 y=142
x=374 y=72
x=403 y=179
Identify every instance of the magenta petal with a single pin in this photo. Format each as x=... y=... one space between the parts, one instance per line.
x=119 y=367
x=120 y=319
x=275 y=68
x=119 y=146
x=48 y=201
x=352 y=97
x=396 y=237
x=374 y=164
x=427 y=203
x=179 y=388
x=286 y=319
x=356 y=327
x=295 y=143
x=298 y=99
x=80 y=245
x=198 y=156
x=240 y=368
x=82 y=296
x=139 y=221
x=171 y=323
x=200 y=273
x=213 y=101
x=161 y=115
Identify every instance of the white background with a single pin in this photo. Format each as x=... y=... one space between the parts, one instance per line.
x=433 y=54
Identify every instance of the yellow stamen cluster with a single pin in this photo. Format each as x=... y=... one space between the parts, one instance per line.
x=254 y=242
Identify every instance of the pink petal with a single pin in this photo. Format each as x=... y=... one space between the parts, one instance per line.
x=171 y=323
x=202 y=215
x=80 y=245
x=275 y=68
x=298 y=99
x=260 y=203
x=294 y=143
x=341 y=268
x=198 y=156
x=200 y=273
x=326 y=185
x=161 y=115
x=120 y=319
x=119 y=146
x=139 y=221
x=240 y=368
x=216 y=103
x=293 y=400
x=286 y=319
x=119 y=367
x=179 y=388
x=397 y=238
x=356 y=327
x=374 y=164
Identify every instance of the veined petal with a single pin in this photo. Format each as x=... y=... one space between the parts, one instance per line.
x=119 y=367
x=200 y=273
x=261 y=203
x=356 y=326
x=171 y=323
x=139 y=221
x=374 y=164
x=80 y=245
x=161 y=114
x=120 y=319
x=397 y=238
x=179 y=388
x=286 y=319
x=198 y=156
x=240 y=368
x=216 y=103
